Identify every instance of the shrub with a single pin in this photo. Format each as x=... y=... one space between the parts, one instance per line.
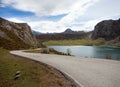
x=108 y=56
x=45 y=50
x=68 y=51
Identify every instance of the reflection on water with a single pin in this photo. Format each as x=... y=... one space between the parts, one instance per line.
x=109 y=52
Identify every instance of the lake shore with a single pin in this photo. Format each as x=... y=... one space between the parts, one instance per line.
x=103 y=52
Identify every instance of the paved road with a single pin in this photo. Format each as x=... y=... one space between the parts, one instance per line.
x=88 y=72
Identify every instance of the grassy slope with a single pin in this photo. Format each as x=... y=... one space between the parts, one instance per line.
x=33 y=74
x=15 y=43
x=76 y=42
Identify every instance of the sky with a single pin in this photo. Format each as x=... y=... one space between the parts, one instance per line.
x=58 y=15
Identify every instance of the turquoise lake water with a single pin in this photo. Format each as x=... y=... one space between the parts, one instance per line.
x=110 y=52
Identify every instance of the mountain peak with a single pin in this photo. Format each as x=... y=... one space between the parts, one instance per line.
x=68 y=31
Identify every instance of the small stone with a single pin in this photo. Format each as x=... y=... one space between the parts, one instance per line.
x=18 y=72
x=16 y=77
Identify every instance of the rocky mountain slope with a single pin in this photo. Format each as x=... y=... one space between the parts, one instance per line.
x=16 y=35
x=108 y=29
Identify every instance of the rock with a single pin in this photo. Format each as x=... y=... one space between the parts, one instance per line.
x=16 y=77
x=18 y=72
x=107 y=29
x=16 y=35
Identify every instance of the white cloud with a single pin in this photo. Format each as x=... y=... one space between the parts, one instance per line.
x=47 y=26
x=50 y=26
x=75 y=9
x=16 y=20
x=48 y=7
x=41 y=26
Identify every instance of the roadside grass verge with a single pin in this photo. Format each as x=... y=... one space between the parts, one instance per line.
x=32 y=73
x=46 y=51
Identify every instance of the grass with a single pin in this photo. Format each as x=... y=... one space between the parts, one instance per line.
x=76 y=42
x=33 y=74
x=14 y=43
x=51 y=51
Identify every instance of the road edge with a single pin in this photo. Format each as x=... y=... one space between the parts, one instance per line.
x=74 y=83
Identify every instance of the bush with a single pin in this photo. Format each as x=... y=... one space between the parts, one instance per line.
x=45 y=50
x=108 y=56
x=68 y=51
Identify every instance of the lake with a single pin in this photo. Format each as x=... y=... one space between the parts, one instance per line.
x=110 y=52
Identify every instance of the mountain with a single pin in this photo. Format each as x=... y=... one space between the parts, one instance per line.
x=107 y=29
x=68 y=34
x=16 y=35
x=36 y=32
x=70 y=31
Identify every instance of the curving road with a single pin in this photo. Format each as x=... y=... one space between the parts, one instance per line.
x=87 y=72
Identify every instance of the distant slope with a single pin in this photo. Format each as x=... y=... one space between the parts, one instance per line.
x=70 y=31
x=61 y=36
x=36 y=32
x=16 y=35
x=68 y=34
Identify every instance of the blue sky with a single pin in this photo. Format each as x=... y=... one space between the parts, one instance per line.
x=58 y=15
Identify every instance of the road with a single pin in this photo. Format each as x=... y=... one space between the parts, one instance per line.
x=87 y=72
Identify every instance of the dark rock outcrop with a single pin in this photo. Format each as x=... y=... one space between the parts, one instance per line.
x=16 y=35
x=108 y=29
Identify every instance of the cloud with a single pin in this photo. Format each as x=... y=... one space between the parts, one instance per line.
x=89 y=25
x=47 y=26
x=51 y=26
x=78 y=11
x=75 y=10
x=41 y=26
x=48 y=7
x=16 y=20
